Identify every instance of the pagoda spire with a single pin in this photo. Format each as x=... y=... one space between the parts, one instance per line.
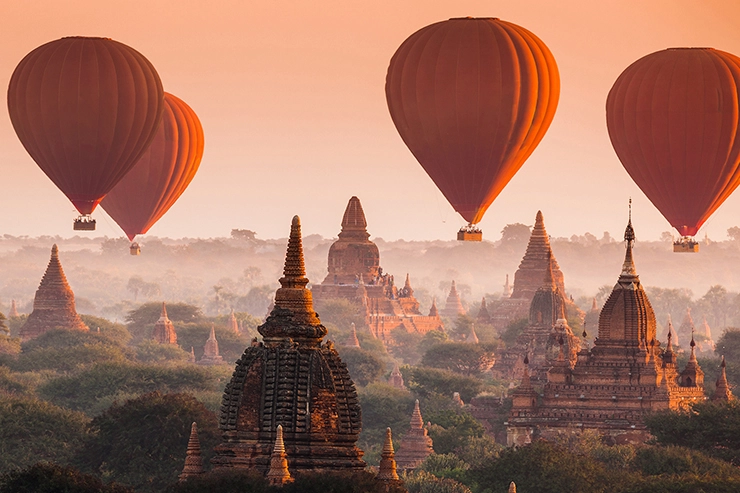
x=352 y=340
x=396 y=378
x=473 y=337
x=211 y=355
x=193 y=459
x=233 y=324
x=629 y=273
x=279 y=474
x=722 y=392
x=354 y=224
x=407 y=289
x=293 y=315
x=13 y=309
x=417 y=422
x=164 y=330
x=512 y=487
x=387 y=468
x=433 y=312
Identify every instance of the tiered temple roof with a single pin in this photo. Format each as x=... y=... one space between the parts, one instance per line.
x=387 y=468
x=54 y=303
x=611 y=387
x=416 y=445
x=164 y=330
x=722 y=392
x=193 y=459
x=355 y=275
x=210 y=351
x=294 y=380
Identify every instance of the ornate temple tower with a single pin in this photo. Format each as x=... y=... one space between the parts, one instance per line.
x=353 y=255
x=13 y=310
x=483 y=316
x=164 y=330
x=233 y=324
x=611 y=387
x=53 y=305
x=416 y=445
x=292 y=380
x=453 y=306
x=193 y=459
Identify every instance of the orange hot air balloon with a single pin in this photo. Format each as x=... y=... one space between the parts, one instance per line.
x=673 y=121
x=471 y=99
x=153 y=185
x=85 y=109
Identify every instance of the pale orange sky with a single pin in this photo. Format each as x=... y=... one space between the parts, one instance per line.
x=291 y=97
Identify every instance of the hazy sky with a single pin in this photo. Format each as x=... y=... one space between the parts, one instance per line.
x=291 y=97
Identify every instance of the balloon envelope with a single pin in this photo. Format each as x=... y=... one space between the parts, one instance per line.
x=85 y=109
x=673 y=121
x=472 y=98
x=158 y=179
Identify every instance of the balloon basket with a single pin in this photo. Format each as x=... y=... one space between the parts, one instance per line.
x=686 y=245
x=134 y=249
x=470 y=233
x=84 y=223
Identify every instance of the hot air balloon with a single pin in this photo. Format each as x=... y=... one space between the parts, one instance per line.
x=472 y=98
x=673 y=121
x=161 y=175
x=85 y=109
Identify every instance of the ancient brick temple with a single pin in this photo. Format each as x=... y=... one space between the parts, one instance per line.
x=53 y=305
x=210 y=351
x=541 y=339
x=293 y=380
x=612 y=386
x=453 y=306
x=355 y=275
x=164 y=330
x=416 y=445
x=528 y=278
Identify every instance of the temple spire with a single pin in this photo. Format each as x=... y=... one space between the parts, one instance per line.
x=512 y=487
x=279 y=474
x=13 y=309
x=628 y=268
x=417 y=422
x=193 y=459
x=433 y=312
x=387 y=468
x=233 y=324
x=722 y=392
x=354 y=223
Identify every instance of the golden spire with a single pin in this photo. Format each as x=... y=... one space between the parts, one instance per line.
x=512 y=487
x=193 y=459
x=387 y=468
x=279 y=474
x=629 y=273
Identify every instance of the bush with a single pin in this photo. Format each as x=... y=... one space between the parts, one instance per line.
x=424 y=482
x=150 y=351
x=52 y=478
x=429 y=381
x=460 y=357
x=33 y=430
x=142 y=443
x=364 y=367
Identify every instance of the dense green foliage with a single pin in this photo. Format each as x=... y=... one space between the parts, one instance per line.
x=149 y=351
x=428 y=382
x=33 y=430
x=142 y=442
x=230 y=344
x=382 y=406
x=52 y=478
x=460 y=357
x=140 y=321
x=364 y=366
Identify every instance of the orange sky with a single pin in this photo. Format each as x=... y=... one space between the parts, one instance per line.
x=291 y=97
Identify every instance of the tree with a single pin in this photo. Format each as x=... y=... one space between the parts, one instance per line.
x=515 y=236
x=142 y=443
x=364 y=367
x=512 y=331
x=717 y=302
x=140 y=321
x=461 y=357
x=52 y=478
x=421 y=481
x=428 y=382
x=383 y=406
x=149 y=351
x=710 y=427
x=32 y=430
x=451 y=428
x=733 y=233
x=406 y=345
x=728 y=345
x=243 y=234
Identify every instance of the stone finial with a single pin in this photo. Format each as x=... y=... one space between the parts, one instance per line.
x=722 y=392
x=233 y=324
x=293 y=316
x=54 y=303
x=512 y=487
x=396 y=378
x=193 y=459
x=387 y=468
x=433 y=312
x=279 y=474
x=13 y=310
x=352 y=340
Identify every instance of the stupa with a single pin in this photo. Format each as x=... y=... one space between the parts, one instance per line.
x=13 y=310
x=453 y=306
x=722 y=391
x=612 y=386
x=396 y=378
x=352 y=340
x=233 y=324
x=53 y=305
x=483 y=316
x=210 y=351
x=416 y=445
x=164 y=330
x=193 y=459
x=278 y=474
x=528 y=278
x=293 y=380
x=387 y=467
x=355 y=275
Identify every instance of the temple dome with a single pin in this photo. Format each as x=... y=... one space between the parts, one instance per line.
x=353 y=255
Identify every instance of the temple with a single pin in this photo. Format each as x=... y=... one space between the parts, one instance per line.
x=387 y=467
x=210 y=351
x=294 y=380
x=53 y=305
x=453 y=306
x=164 y=330
x=233 y=324
x=13 y=310
x=396 y=378
x=613 y=385
x=416 y=445
x=355 y=275
x=193 y=459
x=528 y=278
x=540 y=340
